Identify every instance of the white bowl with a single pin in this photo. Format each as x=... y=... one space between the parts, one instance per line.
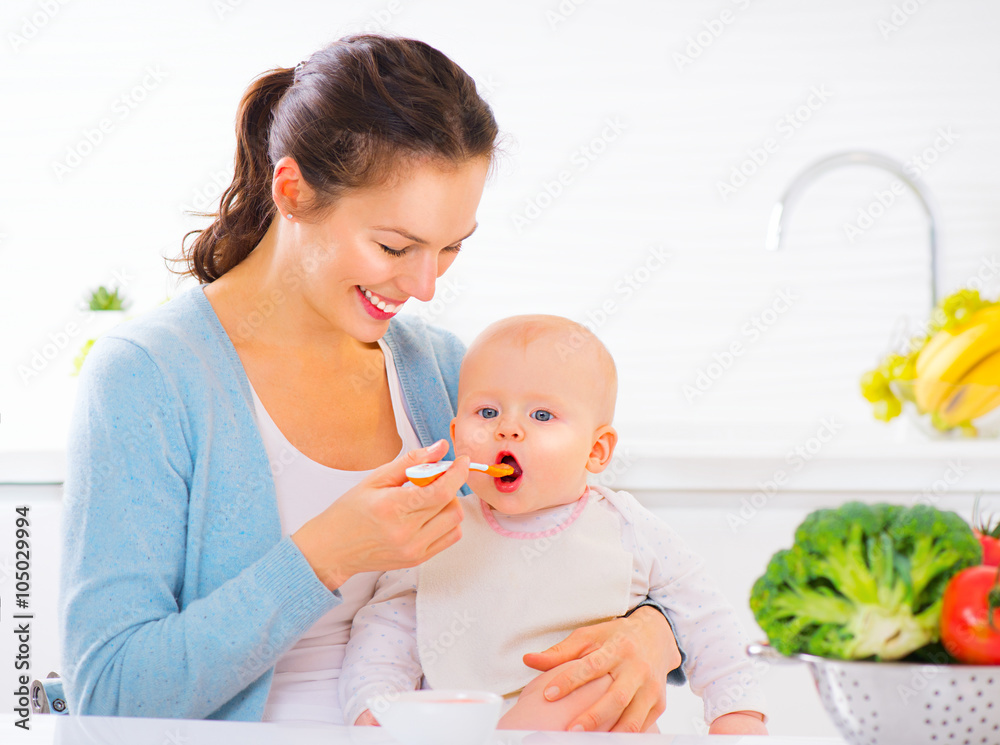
x=431 y=717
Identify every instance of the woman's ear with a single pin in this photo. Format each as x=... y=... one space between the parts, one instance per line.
x=451 y=429
x=605 y=440
x=288 y=190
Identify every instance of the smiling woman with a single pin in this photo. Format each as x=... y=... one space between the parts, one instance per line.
x=237 y=456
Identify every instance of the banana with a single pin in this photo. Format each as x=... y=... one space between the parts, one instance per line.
x=942 y=363
x=978 y=393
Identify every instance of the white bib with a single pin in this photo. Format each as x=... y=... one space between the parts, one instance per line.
x=491 y=598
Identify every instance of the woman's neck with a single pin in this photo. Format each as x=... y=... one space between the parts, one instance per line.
x=266 y=310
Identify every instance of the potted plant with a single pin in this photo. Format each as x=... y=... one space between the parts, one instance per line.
x=107 y=310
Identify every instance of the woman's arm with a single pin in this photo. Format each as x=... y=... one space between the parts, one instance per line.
x=128 y=647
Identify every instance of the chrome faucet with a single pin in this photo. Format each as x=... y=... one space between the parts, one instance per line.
x=859 y=157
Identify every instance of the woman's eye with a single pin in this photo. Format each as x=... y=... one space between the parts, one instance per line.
x=392 y=251
x=541 y=415
x=487 y=413
x=454 y=249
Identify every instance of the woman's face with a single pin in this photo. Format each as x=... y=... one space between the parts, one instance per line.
x=385 y=244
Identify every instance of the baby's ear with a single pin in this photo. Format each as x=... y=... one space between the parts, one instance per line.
x=605 y=439
x=451 y=429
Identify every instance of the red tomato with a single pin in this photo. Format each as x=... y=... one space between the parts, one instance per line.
x=991 y=549
x=970 y=616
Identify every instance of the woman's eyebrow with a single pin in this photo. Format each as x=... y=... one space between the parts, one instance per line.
x=410 y=237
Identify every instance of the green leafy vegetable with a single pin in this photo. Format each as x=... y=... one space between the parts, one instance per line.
x=863 y=581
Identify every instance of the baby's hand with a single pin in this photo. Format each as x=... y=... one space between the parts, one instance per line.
x=367 y=719
x=739 y=723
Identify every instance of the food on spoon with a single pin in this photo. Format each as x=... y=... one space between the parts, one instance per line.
x=863 y=581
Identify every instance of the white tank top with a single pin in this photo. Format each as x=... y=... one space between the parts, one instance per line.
x=306 y=676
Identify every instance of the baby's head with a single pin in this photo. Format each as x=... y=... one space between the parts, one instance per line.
x=537 y=392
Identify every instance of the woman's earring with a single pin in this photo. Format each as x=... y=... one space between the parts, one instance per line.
x=289 y=215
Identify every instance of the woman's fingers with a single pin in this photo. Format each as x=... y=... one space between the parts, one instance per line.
x=659 y=706
x=394 y=472
x=636 y=697
x=616 y=707
x=573 y=647
x=449 y=538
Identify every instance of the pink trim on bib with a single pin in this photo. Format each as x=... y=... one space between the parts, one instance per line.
x=497 y=528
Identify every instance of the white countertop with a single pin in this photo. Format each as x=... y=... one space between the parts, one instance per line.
x=70 y=730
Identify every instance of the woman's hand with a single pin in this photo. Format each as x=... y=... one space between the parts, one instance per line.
x=380 y=524
x=637 y=652
x=739 y=723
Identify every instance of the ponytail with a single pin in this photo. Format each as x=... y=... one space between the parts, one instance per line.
x=246 y=207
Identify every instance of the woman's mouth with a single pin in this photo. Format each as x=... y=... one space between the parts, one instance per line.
x=510 y=483
x=377 y=306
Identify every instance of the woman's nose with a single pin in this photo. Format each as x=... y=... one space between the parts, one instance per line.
x=421 y=277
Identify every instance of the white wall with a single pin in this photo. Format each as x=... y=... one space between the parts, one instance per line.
x=555 y=79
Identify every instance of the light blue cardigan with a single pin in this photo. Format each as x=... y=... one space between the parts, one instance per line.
x=178 y=593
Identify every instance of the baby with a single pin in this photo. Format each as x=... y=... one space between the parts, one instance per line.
x=542 y=552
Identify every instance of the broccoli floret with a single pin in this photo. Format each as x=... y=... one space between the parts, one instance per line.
x=863 y=581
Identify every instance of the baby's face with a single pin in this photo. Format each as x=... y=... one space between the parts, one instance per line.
x=535 y=410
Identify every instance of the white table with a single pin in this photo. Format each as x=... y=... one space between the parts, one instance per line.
x=47 y=729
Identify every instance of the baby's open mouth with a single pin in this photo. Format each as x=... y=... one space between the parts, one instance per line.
x=512 y=479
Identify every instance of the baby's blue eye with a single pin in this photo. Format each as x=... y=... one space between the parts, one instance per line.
x=541 y=415
x=487 y=413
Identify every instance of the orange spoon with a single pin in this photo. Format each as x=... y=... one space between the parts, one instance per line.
x=425 y=473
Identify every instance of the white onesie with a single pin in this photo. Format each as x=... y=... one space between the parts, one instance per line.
x=389 y=651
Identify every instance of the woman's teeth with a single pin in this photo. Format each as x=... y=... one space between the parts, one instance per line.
x=382 y=305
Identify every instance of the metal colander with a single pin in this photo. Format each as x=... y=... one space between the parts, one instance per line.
x=902 y=703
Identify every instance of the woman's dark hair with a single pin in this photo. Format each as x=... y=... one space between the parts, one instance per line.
x=346 y=115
